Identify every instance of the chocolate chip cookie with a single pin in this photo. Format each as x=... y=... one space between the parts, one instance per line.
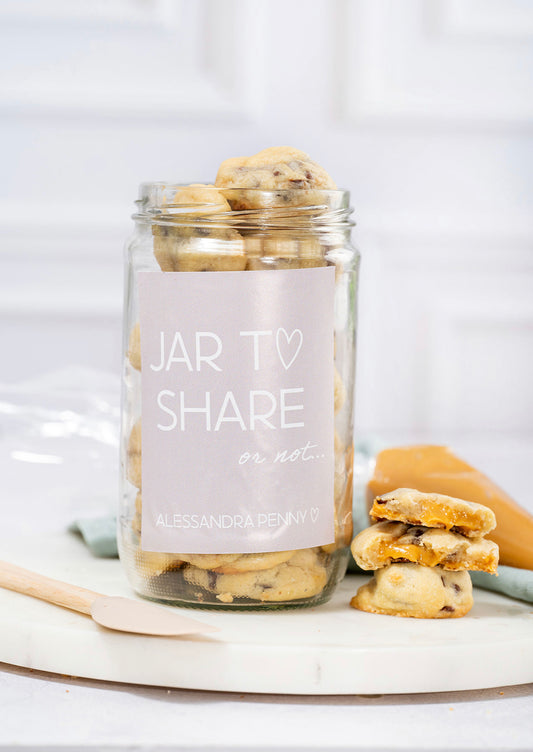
x=339 y=391
x=417 y=591
x=190 y=240
x=134 y=459
x=302 y=576
x=237 y=563
x=283 y=250
x=136 y=523
x=288 y=172
x=134 y=347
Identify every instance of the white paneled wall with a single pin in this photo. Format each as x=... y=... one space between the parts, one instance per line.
x=422 y=108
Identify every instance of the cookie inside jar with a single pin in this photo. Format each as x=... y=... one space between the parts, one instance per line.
x=237 y=446
x=186 y=241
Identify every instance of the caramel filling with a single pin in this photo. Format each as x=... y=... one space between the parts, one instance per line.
x=384 y=552
x=409 y=551
x=433 y=515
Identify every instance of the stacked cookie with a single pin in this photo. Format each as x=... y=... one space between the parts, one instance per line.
x=421 y=549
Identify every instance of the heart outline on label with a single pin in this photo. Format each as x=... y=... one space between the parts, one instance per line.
x=298 y=332
x=314 y=513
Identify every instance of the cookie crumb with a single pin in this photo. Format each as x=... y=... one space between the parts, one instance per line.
x=225 y=597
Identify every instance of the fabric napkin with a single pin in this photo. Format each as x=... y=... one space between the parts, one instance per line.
x=517 y=583
x=99 y=533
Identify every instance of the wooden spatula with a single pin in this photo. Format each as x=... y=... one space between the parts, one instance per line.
x=113 y=612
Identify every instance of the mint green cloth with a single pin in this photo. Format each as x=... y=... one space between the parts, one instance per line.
x=100 y=535
x=516 y=583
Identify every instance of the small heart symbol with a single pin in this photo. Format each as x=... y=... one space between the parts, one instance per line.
x=284 y=347
x=314 y=513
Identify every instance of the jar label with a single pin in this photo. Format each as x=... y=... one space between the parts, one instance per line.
x=237 y=410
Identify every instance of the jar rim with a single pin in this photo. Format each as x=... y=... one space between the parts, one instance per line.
x=282 y=208
x=148 y=185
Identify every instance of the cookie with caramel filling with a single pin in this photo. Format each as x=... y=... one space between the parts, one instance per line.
x=434 y=510
x=391 y=542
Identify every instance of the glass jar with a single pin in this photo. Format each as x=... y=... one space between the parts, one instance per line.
x=243 y=383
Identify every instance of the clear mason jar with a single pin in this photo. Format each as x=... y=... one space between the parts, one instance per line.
x=228 y=516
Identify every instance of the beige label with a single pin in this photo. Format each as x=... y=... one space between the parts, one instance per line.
x=237 y=410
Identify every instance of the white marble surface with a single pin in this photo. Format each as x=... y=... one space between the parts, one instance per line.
x=41 y=711
x=44 y=711
x=327 y=650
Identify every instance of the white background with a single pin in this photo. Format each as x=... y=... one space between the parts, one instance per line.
x=422 y=108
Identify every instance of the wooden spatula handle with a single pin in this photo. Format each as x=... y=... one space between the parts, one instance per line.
x=37 y=585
